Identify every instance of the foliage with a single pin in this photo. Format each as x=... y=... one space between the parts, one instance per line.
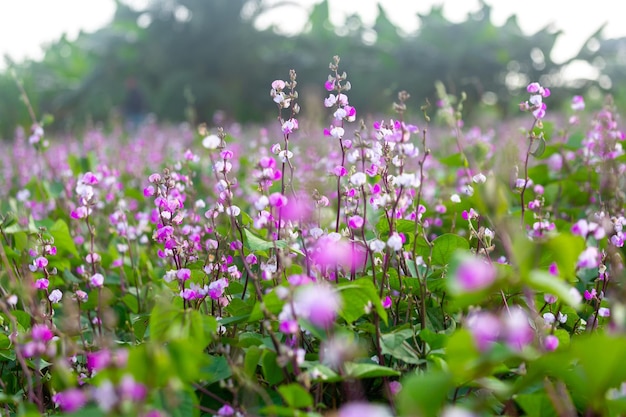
x=430 y=271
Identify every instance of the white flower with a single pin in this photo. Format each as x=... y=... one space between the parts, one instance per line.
x=479 y=178
x=261 y=203
x=55 y=296
x=211 y=142
x=407 y=180
x=97 y=280
x=358 y=179
x=395 y=242
x=337 y=132
x=233 y=211
x=548 y=318
x=377 y=245
x=455 y=198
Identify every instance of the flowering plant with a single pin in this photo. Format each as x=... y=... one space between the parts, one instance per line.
x=391 y=267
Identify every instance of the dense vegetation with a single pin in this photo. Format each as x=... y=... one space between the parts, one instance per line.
x=194 y=57
x=405 y=266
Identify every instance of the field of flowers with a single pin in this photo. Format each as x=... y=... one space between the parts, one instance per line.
x=369 y=268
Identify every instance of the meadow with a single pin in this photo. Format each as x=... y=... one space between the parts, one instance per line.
x=411 y=265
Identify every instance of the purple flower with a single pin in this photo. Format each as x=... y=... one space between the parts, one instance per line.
x=96 y=281
x=473 y=274
x=364 y=410
x=98 y=360
x=225 y=411
x=41 y=333
x=70 y=400
x=589 y=258
x=41 y=262
x=42 y=284
x=517 y=330
x=132 y=390
x=318 y=303
x=578 y=103
x=551 y=342
x=183 y=274
x=484 y=328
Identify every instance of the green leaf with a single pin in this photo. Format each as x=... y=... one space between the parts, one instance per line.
x=217 y=370
x=545 y=282
x=295 y=396
x=272 y=303
x=424 y=395
x=357 y=296
x=395 y=344
x=131 y=302
x=271 y=371
x=62 y=238
x=536 y=404
x=255 y=243
x=444 y=247
x=89 y=411
x=564 y=249
x=368 y=370
x=251 y=361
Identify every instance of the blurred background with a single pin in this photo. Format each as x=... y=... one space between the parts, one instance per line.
x=213 y=60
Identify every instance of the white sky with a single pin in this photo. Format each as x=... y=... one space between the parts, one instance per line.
x=25 y=25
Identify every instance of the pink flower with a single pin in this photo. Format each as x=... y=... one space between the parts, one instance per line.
x=132 y=390
x=589 y=258
x=70 y=400
x=484 y=328
x=278 y=85
x=216 y=288
x=42 y=284
x=183 y=274
x=318 y=303
x=96 y=281
x=98 y=360
x=355 y=222
x=551 y=342
x=329 y=85
x=357 y=409
x=340 y=171
x=277 y=200
x=578 y=103
x=41 y=333
x=41 y=262
x=517 y=330
x=473 y=274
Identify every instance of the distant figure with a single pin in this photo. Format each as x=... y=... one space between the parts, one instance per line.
x=134 y=106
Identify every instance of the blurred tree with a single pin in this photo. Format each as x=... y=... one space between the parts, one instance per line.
x=193 y=57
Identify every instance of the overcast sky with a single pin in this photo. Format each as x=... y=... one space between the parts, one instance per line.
x=25 y=25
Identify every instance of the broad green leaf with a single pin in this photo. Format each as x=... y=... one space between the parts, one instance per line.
x=217 y=370
x=357 y=297
x=395 y=344
x=368 y=370
x=272 y=303
x=255 y=243
x=536 y=404
x=251 y=360
x=545 y=282
x=295 y=396
x=444 y=247
x=62 y=238
x=272 y=373
x=424 y=395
